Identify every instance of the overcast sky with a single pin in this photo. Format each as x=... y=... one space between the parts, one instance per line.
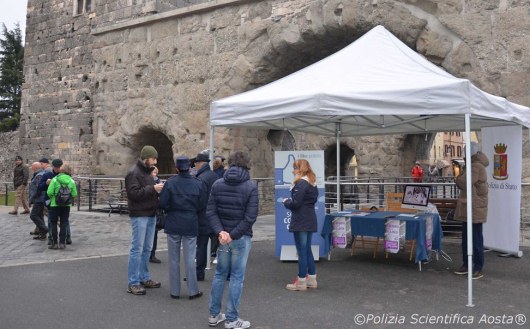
x=13 y=11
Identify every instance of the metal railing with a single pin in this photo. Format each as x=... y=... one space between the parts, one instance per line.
x=94 y=192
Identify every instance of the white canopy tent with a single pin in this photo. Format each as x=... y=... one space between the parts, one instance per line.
x=377 y=85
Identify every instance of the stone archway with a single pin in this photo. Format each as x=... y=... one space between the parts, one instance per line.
x=330 y=159
x=149 y=136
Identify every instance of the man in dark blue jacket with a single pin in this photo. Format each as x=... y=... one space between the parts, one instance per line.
x=36 y=198
x=183 y=198
x=232 y=210
x=205 y=174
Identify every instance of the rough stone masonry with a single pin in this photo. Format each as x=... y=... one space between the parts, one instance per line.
x=104 y=77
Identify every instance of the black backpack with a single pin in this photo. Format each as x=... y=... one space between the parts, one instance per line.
x=63 y=196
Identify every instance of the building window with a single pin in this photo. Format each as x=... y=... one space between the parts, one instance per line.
x=459 y=151
x=82 y=7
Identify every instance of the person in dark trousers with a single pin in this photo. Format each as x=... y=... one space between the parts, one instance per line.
x=304 y=195
x=205 y=174
x=479 y=186
x=36 y=199
x=152 y=258
x=142 y=201
x=60 y=211
x=183 y=198
x=232 y=211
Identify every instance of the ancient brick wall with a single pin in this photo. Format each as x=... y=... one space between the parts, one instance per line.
x=101 y=84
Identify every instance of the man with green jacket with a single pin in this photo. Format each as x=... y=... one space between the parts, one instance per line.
x=60 y=210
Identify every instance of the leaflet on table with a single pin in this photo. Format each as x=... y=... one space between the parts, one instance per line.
x=428 y=232
x=338 y=235
x=394 y=235
x=351 y=214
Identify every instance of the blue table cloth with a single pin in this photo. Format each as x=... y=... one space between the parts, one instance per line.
x=373 y=224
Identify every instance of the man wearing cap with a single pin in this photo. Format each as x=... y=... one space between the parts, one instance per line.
x=36 y=198
x=142 y=201
x=183 y=198
x=20 y=181
x=205 y=174
x=43 y=186
x=45 y=164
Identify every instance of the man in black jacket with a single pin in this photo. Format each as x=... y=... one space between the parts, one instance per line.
x=142 y=201
x=205 y=174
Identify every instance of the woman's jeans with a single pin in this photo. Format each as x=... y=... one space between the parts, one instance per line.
x=143 y=232
x=306 y=262
x=231 y=258
x=189 y=245
x=478 y=246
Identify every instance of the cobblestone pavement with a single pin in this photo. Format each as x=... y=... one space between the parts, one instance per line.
x=94 y=235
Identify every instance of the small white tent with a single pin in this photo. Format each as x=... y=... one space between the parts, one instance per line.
x=376 y=85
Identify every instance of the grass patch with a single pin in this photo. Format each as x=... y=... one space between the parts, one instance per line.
x=10 y=199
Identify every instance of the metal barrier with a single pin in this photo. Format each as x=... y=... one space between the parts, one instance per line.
x=94 y=192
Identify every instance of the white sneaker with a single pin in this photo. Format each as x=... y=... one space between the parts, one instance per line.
x=215 y=320
x=215 y=261
x=237 y=324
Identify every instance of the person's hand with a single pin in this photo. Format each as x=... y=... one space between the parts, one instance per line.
x=158 y=187
x=48 y=181
x=224 y=237
x=285 y=199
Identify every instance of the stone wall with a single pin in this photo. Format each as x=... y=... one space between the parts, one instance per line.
x=102 y=84
x=57 y=107
x=10 y=146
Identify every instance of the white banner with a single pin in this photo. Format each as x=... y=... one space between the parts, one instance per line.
x=503 y=147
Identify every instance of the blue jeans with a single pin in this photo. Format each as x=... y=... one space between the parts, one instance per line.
x=306 y=261
x=231 y=258
x=143 y=232
x=189 y=245
x=478 y=246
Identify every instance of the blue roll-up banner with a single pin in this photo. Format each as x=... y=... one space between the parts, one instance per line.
x=283 y=177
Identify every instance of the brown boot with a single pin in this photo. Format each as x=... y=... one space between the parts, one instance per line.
x=14 y=212
x=26 y=211
x=299 y=284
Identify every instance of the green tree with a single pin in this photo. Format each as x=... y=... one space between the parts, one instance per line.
x=11 y=77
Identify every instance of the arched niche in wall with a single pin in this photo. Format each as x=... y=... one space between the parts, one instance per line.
x=281 y=140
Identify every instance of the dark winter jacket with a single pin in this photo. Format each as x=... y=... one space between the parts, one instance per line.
x=183 y=198
x=43 y=187
x=233 y=204
x=20 y=175
x=206 y=175
x=479 y=190
x=36 y=196
x=142 y=198
x=302 y=206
